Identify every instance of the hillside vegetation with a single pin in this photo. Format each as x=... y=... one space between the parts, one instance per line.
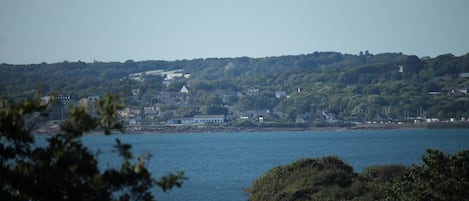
x=311 y=88
x=439 y=177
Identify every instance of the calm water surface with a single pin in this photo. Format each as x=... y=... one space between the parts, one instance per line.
x=220 y=165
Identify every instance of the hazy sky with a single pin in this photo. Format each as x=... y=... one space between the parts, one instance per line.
x=34 y=31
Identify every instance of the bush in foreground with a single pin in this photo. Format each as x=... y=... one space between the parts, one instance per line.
x=439 y=177
x=65 y=169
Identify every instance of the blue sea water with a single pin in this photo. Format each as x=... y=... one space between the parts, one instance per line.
x=219 y=166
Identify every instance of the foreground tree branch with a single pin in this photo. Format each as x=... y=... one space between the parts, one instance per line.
x=65 y=169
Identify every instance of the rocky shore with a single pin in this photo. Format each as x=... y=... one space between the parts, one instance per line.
x=162 y=129
x=214 y=128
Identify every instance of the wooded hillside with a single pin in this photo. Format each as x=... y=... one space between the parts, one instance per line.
x=347 y=87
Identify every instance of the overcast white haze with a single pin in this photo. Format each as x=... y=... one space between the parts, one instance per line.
x=35 y=31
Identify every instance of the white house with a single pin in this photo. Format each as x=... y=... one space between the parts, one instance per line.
x=280 y=94
x=135 y=92
x=151 y=112
x=184 y=90
x=464 y=75
x=125 y=113
x=253 y=91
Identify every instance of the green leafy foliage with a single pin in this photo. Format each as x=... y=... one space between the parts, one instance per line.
x=376 y=182
x=337 y=83
x=65 y=169
x=306 y=179
x=439 y=177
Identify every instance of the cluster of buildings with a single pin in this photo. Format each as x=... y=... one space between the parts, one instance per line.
x=165 y=110
x=185 y=98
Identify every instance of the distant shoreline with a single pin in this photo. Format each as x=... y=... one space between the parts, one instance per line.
x=181 y=129
x=218 y=129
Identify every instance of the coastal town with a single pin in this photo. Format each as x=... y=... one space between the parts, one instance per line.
x=183 y=110
x=244 y=100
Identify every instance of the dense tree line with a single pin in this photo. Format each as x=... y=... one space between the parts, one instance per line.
x=361 y=87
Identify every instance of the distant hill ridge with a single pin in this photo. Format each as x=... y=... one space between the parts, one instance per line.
x=365 y=85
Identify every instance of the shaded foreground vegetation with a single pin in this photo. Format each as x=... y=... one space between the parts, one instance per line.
x=65 y=169
x=438 y=177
